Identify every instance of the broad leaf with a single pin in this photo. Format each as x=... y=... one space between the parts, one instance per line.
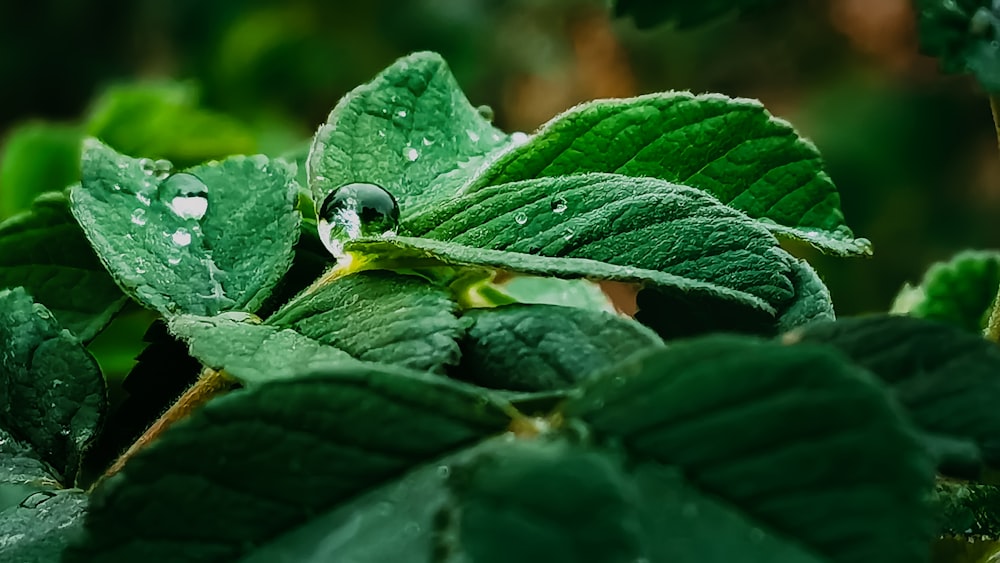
x=44 y=251
x=379 y=317
x=959 y=292
x=253 y=353
x=545 y=347
x=164 y=121
x=553 y=291
x=963 y=34
x=410 y=130
x=796 y=438
x=945 y=377
x=812 y=299
x=37 y=158
x=259 y=463
x=40 y=528
x=176 y=249
x=52 y=395
x=683 y=13
x=731 y=148
x=21 y=466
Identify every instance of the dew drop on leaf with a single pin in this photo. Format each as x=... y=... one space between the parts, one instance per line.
x=427 y=142
x=559 y=205
x=139 y=216
x=518 y=138
x=486 y=112
x=186 y=195
x=401 y=113
x=354 y=211
x=41 y=312
x=411 y=154
x=473 y=136
x=36 y=499
x=162 y=168
x=174 y=260
x=520 y=218
x=148 y=166
x=181 y=237
x=443 y=471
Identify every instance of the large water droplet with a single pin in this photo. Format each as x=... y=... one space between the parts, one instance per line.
x=559 y=205
x=148 y=166
x=486 y=112
x=186 y=195
x=181 y=237
x=36 y=499
x=162 y=168
x=411 y=154
x=139 y=216
x=520 y=218
x=355 y=211
x=518 y=138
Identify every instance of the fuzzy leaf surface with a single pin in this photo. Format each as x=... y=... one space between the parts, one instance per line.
x=959 y=292
x=45 y=251
x=43 y=526
x=174 y=262
x=410 y=130
x=731 y=148
x=778 y=433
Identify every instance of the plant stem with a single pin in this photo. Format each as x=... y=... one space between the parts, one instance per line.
x=210 y=384
x=993 y=327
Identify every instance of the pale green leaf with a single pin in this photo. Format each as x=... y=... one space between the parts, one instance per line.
x=40 y=528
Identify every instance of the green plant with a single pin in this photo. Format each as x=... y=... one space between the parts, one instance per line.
x=409 y=359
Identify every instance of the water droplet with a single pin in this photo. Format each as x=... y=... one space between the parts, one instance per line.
x=147 y=165
x=381 y=133
x=401 y=113
x=162 y=168
x=41 y=312
x=411 y=154
x=473 y=136
x=143 y=199
x=186 y=194
x=36 y=499
x=486 y=112
x=139 y=216
x=117 y=187
x=354 y=211
x=518 y=138
x=443 y=471
x=174 y=260
x=427 y=142
x=520 y=218
x=181 y=237
x=140 y=270
x=559 y=205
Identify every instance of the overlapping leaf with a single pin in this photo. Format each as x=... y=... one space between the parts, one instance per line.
x=959 y=292
x=40 y=528
x=224 y=253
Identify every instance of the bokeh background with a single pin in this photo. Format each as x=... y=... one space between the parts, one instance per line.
x=913 y=152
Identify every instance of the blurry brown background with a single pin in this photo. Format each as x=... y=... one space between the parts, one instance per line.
x=912 y=152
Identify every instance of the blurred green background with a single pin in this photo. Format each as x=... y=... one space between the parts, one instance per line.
x=913 y=152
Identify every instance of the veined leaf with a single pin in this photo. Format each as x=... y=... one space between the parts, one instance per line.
x=812 y=299
x=731 y=148
x=52 y=395
x=21 y=466
x=192 y=242
x=44 y=251
x=410 y=130
x=945 y=377
x=963 y=34
x=545 y=347
x=259 y=463
x=959 y=292
x=40 y=528
x=379 y=317
x=793 y=437
x=682 y=13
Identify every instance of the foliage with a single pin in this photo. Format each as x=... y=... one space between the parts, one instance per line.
x=964 y=34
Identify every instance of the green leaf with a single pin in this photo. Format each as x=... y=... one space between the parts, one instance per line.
x=380 y=317
x=410 y=130
x=945 y=377
x=812 y=299
x=959 y=292
x=253 y=353
x=963 y=34
x=20 y=465
x=52 y=395
x=163 y=120
x=552 y=291
x=259 y=463
x=731 y=148
x=682 y=13
x=798 y=439
x=44 y=251
x=37 y=157
x=545 y=347
x=174 y=262
x=40 y=528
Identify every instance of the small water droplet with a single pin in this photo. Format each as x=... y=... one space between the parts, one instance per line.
x=139 y=216
x=443 y=471
x=381 y=133
x=518 y=138
x=559 y=205
x=354 y=211
x=520 y=218
x=186 y=194
x=427 y=142
x=117 y=187
x=486 y=112
x=162 y=168
x=181 y=237
x=411 y=154
x=143 y=199
x=140 y=270
x=473 y=136
x=173 y=261
x=36 y=499
x=568 y=235
x=401 y=113
x=41 y=312
x=147 y=165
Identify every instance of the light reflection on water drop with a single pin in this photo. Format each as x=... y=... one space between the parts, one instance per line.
x=354 y=211
x=181 y=237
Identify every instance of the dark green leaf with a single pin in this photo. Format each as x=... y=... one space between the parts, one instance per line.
x=40 y=528
x=52 y=395
x=812 y=299
x=253 y=353
x=959 y=292
x=945 y=377
x=259 y=463
x=670 y=304
x=44 y=251
x=181 y=259
x=164 y=121
x=380 y=317
x=545 y=347
x=20 y=465
x=683 y=13
x=731 y=148
x=410 y=130
x=797 y=438
x=964 y=35
x=37 y=158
